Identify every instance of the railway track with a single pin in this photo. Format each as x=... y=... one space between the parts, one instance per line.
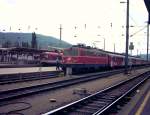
x=20 y=92
x=22 y=77
x=102 y=102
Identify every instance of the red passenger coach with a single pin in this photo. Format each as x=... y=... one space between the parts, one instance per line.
x=116 y=60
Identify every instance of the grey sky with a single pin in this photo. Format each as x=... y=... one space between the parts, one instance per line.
x=47 y=15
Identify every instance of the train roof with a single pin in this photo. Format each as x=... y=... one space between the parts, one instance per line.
x=107 y=52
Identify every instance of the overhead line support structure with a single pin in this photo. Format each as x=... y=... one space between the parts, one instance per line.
x=127 y=38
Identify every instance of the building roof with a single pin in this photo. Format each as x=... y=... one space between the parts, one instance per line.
x=23 y=50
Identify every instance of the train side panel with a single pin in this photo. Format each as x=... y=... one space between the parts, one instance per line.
x=49 y=58
x=116 y=61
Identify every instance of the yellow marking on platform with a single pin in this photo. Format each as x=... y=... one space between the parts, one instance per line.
x=143 y=104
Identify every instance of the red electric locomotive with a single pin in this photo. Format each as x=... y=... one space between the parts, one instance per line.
x=82 y=59
x=49 y=58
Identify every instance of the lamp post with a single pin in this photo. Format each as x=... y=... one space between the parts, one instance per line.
x=147 y=40
x=114 y=48
x=94 y=43
x=4 y=40
x=19 y=38
x=103 y=42
x=60 y=34
x=137 y=52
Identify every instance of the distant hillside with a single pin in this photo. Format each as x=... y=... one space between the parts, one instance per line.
x=24 y=39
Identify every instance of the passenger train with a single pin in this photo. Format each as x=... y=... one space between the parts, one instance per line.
x=81 y=58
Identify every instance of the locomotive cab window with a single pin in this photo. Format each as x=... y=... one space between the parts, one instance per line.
x=71 y=52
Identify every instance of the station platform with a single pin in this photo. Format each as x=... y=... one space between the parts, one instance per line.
x=145 y=106
x=140 y=103
x=5 y=65
x=25 y=70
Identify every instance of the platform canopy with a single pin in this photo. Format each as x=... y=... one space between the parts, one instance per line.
x=147 y=3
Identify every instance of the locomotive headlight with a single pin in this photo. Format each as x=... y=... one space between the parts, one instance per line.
x=69 y=59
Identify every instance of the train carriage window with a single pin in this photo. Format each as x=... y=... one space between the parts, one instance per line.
x=113 y=58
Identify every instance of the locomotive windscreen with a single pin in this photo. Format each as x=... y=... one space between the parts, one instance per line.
x=71 y=52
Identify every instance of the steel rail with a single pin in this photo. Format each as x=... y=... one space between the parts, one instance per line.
x=22 y=77
x=20 y=92
x=120 y=98
x=106 y=99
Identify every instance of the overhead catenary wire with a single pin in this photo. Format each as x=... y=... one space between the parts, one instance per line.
x=138 y=31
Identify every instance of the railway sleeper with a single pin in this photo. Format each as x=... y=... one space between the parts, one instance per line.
x=90 y=108
x=95 y=105
x=100 y=95
x=83 y=112
x=103 y=100
x=102 y=103
x=114 y=96
x=108 y=98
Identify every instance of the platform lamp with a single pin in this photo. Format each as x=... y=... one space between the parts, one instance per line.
x=103 y=42
x=147 y=57
x=3 y=41
x=60 y=35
